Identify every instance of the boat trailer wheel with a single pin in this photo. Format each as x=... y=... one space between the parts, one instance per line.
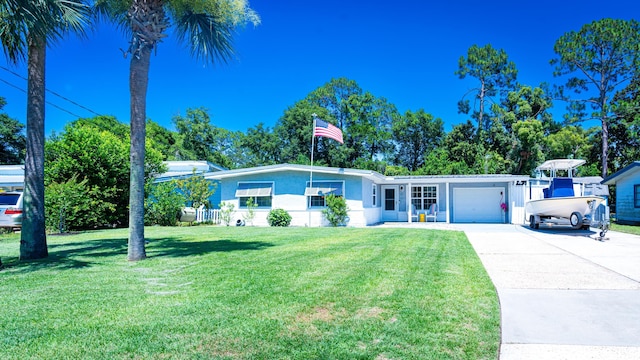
x=576 y=220
x=532 y=222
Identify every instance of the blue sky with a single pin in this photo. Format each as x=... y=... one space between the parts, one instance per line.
x=406 y=51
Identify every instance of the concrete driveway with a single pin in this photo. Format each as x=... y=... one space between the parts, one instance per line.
x=563 y=294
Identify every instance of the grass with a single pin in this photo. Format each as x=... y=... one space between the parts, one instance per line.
x=250 y=293
x=629 y=229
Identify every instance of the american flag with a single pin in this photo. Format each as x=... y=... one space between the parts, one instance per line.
x=323 y=128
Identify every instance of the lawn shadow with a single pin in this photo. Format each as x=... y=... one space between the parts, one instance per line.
x=71 y=255
x=177 y=247
x=82 y=254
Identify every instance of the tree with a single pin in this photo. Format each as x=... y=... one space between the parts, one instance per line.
x=599 y=59
x=164 y=140
x=465 y=155
x=12 y=139
x=197 y=190
x=515 y=124
x=26 y=27
x=207 y=26
x=529 y=139
x=415 y=135
x=624 y=135
x=369 y=127
x=294 y=131
x=88 y=153
x=260 y=145
x=570 y=142
x=494 y=71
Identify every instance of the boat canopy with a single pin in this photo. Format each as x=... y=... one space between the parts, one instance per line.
x=568 y=165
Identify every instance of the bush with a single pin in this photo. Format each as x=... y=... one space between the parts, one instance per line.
x=336 y=211
x=251 y=211
x=163 y=205
x=74 y=205
x=227 y=210
x=279 y=217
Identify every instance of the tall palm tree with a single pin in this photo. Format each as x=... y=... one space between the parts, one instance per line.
x=26 y=26
x=207 y=26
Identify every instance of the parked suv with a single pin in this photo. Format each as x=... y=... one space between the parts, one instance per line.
x=11 y=209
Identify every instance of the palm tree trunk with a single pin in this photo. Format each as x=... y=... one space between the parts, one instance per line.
x=33 y=238
x=138 y=82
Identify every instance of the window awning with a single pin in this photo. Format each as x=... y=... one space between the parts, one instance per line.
x=253 y=189
x=321 y=191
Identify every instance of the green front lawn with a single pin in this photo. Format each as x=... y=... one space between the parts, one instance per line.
x=629 y=229
x=250 y=293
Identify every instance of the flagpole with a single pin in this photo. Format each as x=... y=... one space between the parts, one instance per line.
x=313 y=143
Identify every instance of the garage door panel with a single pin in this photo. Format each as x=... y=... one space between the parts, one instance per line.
x=477 y=205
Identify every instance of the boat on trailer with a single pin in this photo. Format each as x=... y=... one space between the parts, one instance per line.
x=560 y=205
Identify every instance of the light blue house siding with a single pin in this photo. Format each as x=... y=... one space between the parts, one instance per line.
x=288 y=190
x=371 y=197
x=627 y=182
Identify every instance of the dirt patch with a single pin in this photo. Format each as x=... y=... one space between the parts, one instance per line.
x=370 y=313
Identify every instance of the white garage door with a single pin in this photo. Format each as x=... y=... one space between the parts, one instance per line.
x=477 y=205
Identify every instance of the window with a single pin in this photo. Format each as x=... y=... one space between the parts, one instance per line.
x=374 y=190
x=636 y=196
x=423 y=196
x=315 y=195
x=260 y=192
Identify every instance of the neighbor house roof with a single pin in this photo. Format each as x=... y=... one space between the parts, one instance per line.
x=11 y=175
x=627 y=171
x=180 y=169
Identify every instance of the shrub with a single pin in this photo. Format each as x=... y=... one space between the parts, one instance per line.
x=226 y=212
x=74 y=205
x=279 y=217
x=163 y=205
x=336 y=211
x=251 y=211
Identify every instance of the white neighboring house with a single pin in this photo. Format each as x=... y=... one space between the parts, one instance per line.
x=11 y=177
x=371 y=197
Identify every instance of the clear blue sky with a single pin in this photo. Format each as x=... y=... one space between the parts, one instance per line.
x=405 y=50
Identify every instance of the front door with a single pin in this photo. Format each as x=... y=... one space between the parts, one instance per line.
x=390 y=203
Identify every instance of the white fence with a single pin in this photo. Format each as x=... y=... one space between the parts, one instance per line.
x=208 y=215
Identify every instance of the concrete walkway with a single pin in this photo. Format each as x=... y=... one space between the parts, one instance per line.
x=563 y=294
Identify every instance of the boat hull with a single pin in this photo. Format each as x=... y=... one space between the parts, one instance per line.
x=562 y=207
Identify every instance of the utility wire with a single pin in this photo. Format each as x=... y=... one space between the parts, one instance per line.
x=48 y=102
x=51 y=92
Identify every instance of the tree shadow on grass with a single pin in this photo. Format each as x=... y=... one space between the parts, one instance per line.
x=174 y=247
x=82 y=254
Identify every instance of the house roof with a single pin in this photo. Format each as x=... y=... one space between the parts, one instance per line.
x=629 y=170
x=369 y=174
x=481 y=178
x=11 y=175
x=12 y=170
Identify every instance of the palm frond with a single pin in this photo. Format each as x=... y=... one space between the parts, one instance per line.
x=113 y=11
x=209 y=38
x=44 y=19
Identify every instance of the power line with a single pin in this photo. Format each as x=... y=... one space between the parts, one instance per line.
x=48 y=102
x=51 y=92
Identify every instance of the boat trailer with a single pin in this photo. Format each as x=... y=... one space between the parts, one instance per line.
x=576 y=221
